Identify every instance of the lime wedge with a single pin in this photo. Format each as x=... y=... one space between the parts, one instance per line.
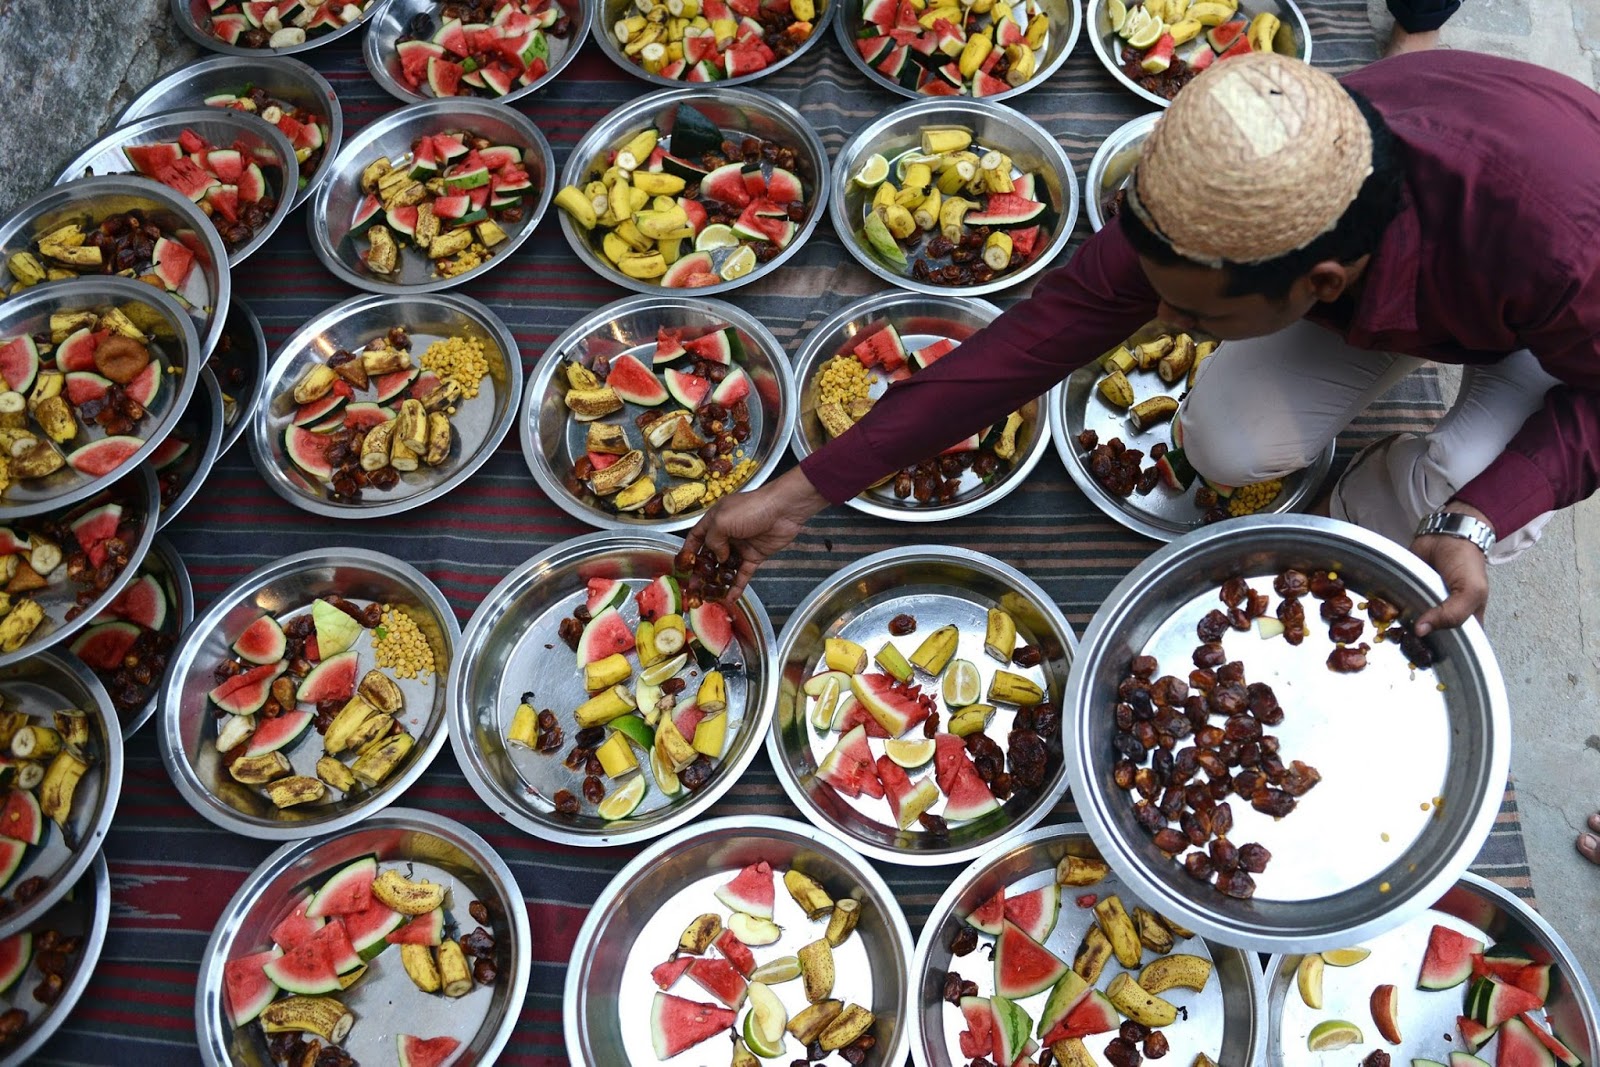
x=1117 y=12
x=739 y=264
x=827 y=701
x=776 y=972
x=636 y=729
x=622 y=801
x=962 y=684
x=1148 y=34
x=911 y=752
x=1134 y=21
x=716 y=235
x=1345 y=957
x=666 y=778
x=667 y=668
x=872 y=172
x=1333 y=1033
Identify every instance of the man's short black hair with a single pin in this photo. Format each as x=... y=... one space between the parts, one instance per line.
x=1357 y=233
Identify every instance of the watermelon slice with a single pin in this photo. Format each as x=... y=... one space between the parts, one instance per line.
x=19 y=362
x=245 y=985
x=736 y=952
x=1011 y=1028
x=1448 y=959
x=969 y=797
x=1491 y=1002
x=1533 y=977
x=424 y=1051
x=605 y=635
x=104 y=647
x=1069 y=991
x=1520 y=1048
x=677 y=1025
x=263 y=641
x=20 y=818
x=1093 y=1015
x=977 y=1040
x=1473 y=1033
x=751 y=891
x=990 y=915
x=634 y=383
x=244 y=693
x=105 y=455
x=1022 y=966
x=369 y=929
x=280 y=731
x=1551 y=1042
x=719 y=978
x=603 y=593
x=887 y=703
x=907 y=800
x=332 y=679
x=1034 y=913
x=666 y=975
x=661 y=597
x=426 y=929
x=295 y=928
x=669 y=345
x=310 y=968
x=347 y=890
x=713 y=628
x=850 y=767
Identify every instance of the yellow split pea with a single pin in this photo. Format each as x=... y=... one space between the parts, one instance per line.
x=398 y=645
x=460 y=360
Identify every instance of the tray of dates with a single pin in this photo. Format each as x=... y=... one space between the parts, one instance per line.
x=45 y=969
x=659 y=712
x=762 y=932
x=1112 y=421
x=240 y=170
x=310 y=695
x=384 y=403
x=1243 y=691
x=849 y=362
x=716 y=41
x=954 y=196
x=627 y=449
x=923 y=723
x=722 y=186
x=268 y=27
x=403 y=940
x=499 y=49
x=63 y=775
x=284 y=92
x=1478 y=978
x=431 y=195
x=1156 y=47
x=129 y=644
x=1038 y=946
x=118 y=222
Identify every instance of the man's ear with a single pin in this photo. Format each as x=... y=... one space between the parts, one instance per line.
x=1328 y=280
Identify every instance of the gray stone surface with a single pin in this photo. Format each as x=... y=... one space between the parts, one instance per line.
x=1511 y=18
x=66 y=70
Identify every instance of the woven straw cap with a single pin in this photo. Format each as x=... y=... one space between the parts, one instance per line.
x=1257 y=157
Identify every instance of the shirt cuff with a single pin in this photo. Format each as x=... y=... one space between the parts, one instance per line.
x=1512 y=491
x=829 y=475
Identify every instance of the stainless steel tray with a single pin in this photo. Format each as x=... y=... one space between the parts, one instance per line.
x=477 y=426
x=512 y=647
x=1293 y=39
x=1226 y=1020
x=189 y=14
x=188 y=732
x=201 y=426
x=46 y=683
x=86 y=913
x=552 y=440
x=898 y=132
x=139 y=495
x=938 y=586
x=921 y=320
x=267 y=146
x=1162 y=513
x=636 y=923
x=385 y=1002
x=1353 y=860
x=1475 y=907
x=286 y=79
x=605 y=13
x=737 y=112
x=390 y=20
x=243 y=348
x=333 y=207
x=1112 y=166
x=166 y=566
x=90 y=200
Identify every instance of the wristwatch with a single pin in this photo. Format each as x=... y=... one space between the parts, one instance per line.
x=1455 y=524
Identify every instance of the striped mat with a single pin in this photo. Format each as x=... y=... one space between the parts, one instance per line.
x=173 y=873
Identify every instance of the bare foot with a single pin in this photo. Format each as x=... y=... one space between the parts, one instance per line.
x=1589 y=843
x=1403 y=41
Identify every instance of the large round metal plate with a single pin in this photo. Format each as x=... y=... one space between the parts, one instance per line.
x=937 y=586
x=194 y=19
x=280 y=77
x=477 y=426
x=921 y=321
x=422 y=845
x=200 y=431
x=604 y=14
x=240 y=365
x=898 y=132
x=333 y=208
x=738 y=113
x=188 y=730
x=636 y=923
x=1111 y=168
x=552 y=440
x=512 y=647
x=381 y=51
x=1226 y=1020
x=165 y=566
x=1369 y=847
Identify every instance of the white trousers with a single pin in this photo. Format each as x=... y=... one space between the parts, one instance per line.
x=1267 y=407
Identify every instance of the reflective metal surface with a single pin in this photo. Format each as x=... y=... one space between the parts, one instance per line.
x=167 y=567
x=201 y=427
x=1112 y=166
x=241 y=368
x=604 y=14
x=390 y=20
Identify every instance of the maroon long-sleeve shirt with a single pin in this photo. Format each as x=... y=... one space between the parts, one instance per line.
x=1496 y=249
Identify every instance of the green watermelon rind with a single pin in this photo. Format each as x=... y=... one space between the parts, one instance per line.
x=281 y=731
x=267 y=989
x=1039 y=930
x=713 y=628
x=664 y=596
x=364 y=869
x=997 y=902
x=1520 y=1048
x=1012 y=1027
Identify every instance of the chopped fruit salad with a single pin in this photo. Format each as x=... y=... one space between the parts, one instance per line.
x=130 y=244
x=668 y=445
x=237 y=187
x=366 y=922
x=953 y=213
x=311 y=671
x=279 y=23
x=130 y=641
x=709 y=40
x=445 y=200
x=1153 y=31
x=779 y=967
x=47 y=756
x=481 y=47
x=691 y=208
x=307 y=131
x=953 y=47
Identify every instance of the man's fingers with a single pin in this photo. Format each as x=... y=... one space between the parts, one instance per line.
x=697 y=535
x=747 y=571
x=1457 y=609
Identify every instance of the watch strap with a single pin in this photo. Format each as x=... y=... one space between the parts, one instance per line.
x=1455 y=524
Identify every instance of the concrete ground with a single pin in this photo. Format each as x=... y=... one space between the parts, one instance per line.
x=1544 y=617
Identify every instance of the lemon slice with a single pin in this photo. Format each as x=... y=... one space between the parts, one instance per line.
x=635 y=729
x=657 y=673
x=962 y=684
x=739 y=264
x=1117 y=12
x=666 y=778
x=783 y=969
x=1148 y=34
x=622 y=801
x=716 y=235
x=1345 y=957
x=911 y=752
x=872 y=172
x=1333 y=1033
x=827 y=702
x=765 y=1024
x=1132 y=22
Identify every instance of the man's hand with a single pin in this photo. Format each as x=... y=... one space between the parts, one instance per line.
x=757 y=525
x=1465 y=572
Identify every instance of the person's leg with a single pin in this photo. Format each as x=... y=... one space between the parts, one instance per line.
x=1416 y=24
x=1392 y=485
